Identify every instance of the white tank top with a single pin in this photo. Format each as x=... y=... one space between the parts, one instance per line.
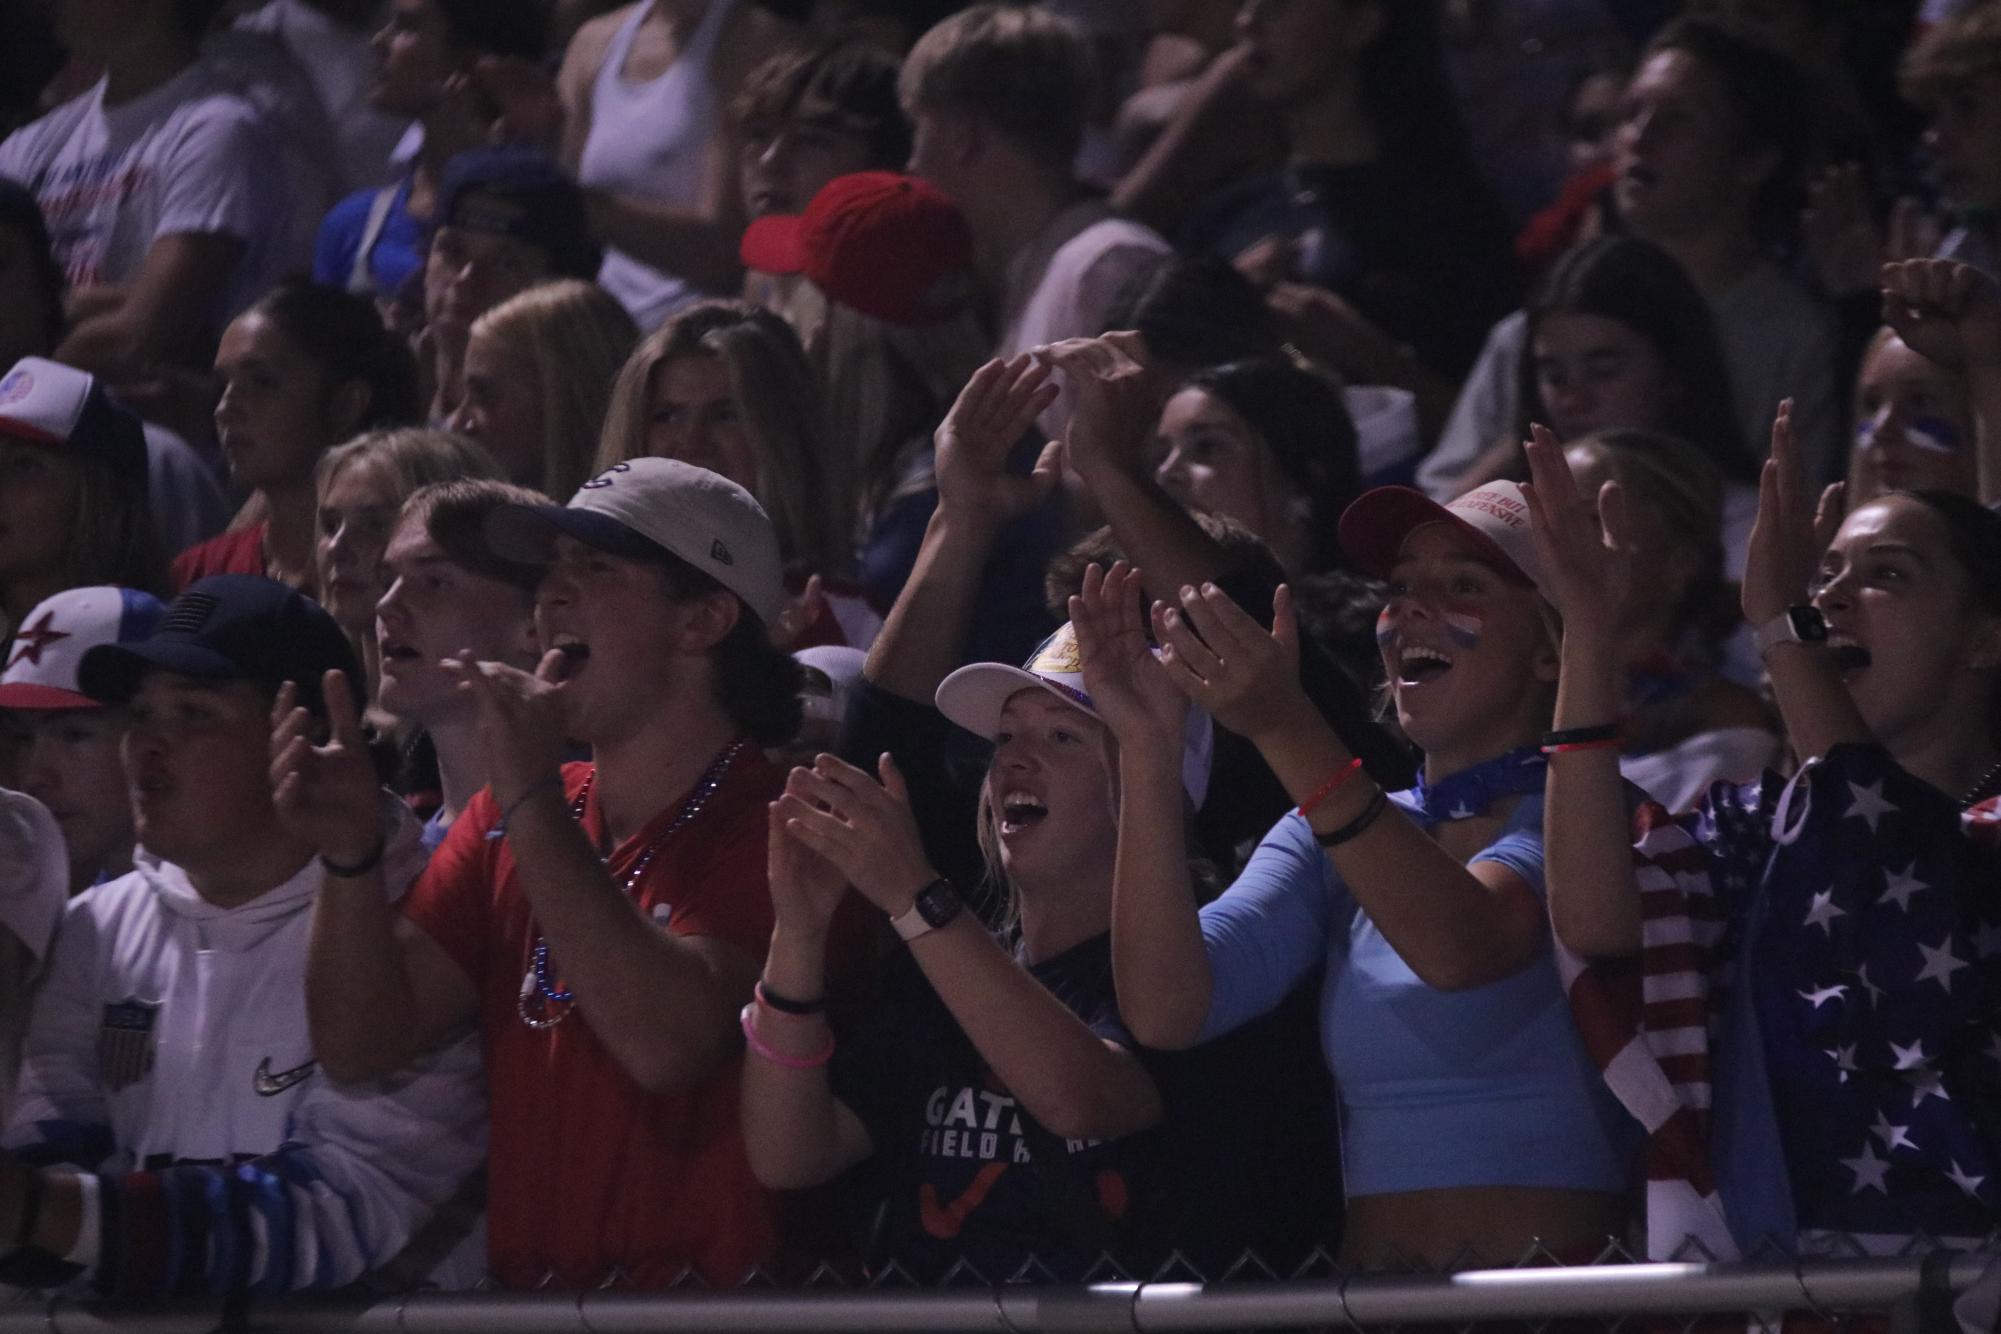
x=650 y=140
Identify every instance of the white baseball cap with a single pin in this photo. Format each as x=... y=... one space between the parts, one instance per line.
x=839 y=668
x=643 y=506
x=48 y=648
x=47 y=403
x=974 y=695
x=1494 y=517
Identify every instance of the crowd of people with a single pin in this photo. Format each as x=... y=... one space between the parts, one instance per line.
x=518 y=519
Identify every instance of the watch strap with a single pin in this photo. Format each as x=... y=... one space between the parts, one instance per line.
x=1781 y=629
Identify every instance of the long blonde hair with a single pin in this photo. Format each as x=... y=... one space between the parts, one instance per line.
x=413 y=456
x=886 y=388
x=799 y=483
x=574 y=336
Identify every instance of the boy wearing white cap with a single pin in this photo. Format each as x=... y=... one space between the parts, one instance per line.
x=68 y=757
x=601 y=923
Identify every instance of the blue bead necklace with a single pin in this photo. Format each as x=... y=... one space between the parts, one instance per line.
x=544 y=1003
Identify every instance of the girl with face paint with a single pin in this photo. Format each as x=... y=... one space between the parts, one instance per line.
x=1471 y=1115
x=1914 y=428
x=1855 y=977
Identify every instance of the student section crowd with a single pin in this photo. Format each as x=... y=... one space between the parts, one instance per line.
x=518 y=519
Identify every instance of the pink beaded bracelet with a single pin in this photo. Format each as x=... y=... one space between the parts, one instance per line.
x=776 y=1057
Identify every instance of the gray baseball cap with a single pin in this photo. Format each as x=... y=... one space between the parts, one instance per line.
x=645 y=506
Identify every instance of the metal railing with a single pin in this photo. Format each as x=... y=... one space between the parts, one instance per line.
x=1911 y=1289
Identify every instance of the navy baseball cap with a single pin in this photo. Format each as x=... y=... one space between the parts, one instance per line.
x=521 y=193
x=230 y=627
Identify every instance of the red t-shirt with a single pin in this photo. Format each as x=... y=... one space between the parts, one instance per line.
x=239 y=552
x=586 y=1171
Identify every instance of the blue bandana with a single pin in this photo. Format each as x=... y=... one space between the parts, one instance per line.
x=1463 y=795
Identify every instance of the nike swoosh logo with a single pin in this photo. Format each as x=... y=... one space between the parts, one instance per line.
x=269 y=1085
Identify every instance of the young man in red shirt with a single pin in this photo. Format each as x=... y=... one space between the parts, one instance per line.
x=601 y=923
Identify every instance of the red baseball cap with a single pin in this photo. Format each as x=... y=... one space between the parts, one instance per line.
x=891 y=246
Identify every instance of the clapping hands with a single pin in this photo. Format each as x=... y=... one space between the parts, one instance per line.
x=1132 y=691
x=1583 y=540
x=862 y=829
x=991 y=414
x=1245 y=676
x=327 y=794
x=1791 y=530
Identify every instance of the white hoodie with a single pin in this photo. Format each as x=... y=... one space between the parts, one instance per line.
x=172 y=1033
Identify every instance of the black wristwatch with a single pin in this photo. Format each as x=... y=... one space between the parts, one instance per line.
x=1795 y=625
x=936 y=904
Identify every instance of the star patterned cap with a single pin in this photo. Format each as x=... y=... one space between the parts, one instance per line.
x=48 y=647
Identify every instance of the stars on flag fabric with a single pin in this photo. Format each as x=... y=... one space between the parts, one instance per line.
x=1862 y=910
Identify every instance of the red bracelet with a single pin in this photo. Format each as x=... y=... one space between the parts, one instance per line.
x=1329 y=788
x=1609 y=743
x=776 y=1057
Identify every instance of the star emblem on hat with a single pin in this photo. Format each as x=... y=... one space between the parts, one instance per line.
x=29 y=643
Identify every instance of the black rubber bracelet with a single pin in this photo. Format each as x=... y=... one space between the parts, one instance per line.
x=1579 y=736
x=787 y=1004
x=360 y=868
x=34 y=1189
x=1358 y=826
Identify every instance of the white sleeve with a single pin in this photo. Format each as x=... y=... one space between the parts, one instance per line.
x=61 y=1110
x=34 y=871
x=1484 y=413
x=362 y=1175
x=220 y=175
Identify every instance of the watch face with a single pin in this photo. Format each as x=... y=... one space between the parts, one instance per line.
x=938 y=904
x=1809 y=626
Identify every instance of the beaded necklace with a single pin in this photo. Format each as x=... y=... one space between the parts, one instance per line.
x=1981 y=790
x=550 y=1000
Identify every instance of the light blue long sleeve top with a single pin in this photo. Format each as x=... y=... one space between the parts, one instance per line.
x=1485 y=1087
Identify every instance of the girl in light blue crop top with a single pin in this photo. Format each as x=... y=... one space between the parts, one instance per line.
x=1471 y=1114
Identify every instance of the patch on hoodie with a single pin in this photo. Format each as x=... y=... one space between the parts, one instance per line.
x=125 y=1042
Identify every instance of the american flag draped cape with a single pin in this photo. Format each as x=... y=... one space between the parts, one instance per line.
x=1858 y=911
x=1645 y=1022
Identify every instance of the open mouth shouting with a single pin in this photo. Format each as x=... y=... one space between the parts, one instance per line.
x=1421 y=664
x=1019 y=811
x=1850 y=658
x=396 y=652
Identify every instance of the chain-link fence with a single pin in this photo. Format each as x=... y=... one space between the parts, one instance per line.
x=1911 y=1293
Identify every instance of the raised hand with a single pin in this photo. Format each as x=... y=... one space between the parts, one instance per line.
x=1583 y=540
x=326 y=795
x=1129 y=686
x=806 y=888
x=799 y=615
x=1827 y=516
x=1783 y=551
x=1247 y=677
x=863 y=828
x=520 y=720
x=1335 y=334
x=1267 y=260
x=1949 y=313
x=991 y=414
x=1115 y=397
